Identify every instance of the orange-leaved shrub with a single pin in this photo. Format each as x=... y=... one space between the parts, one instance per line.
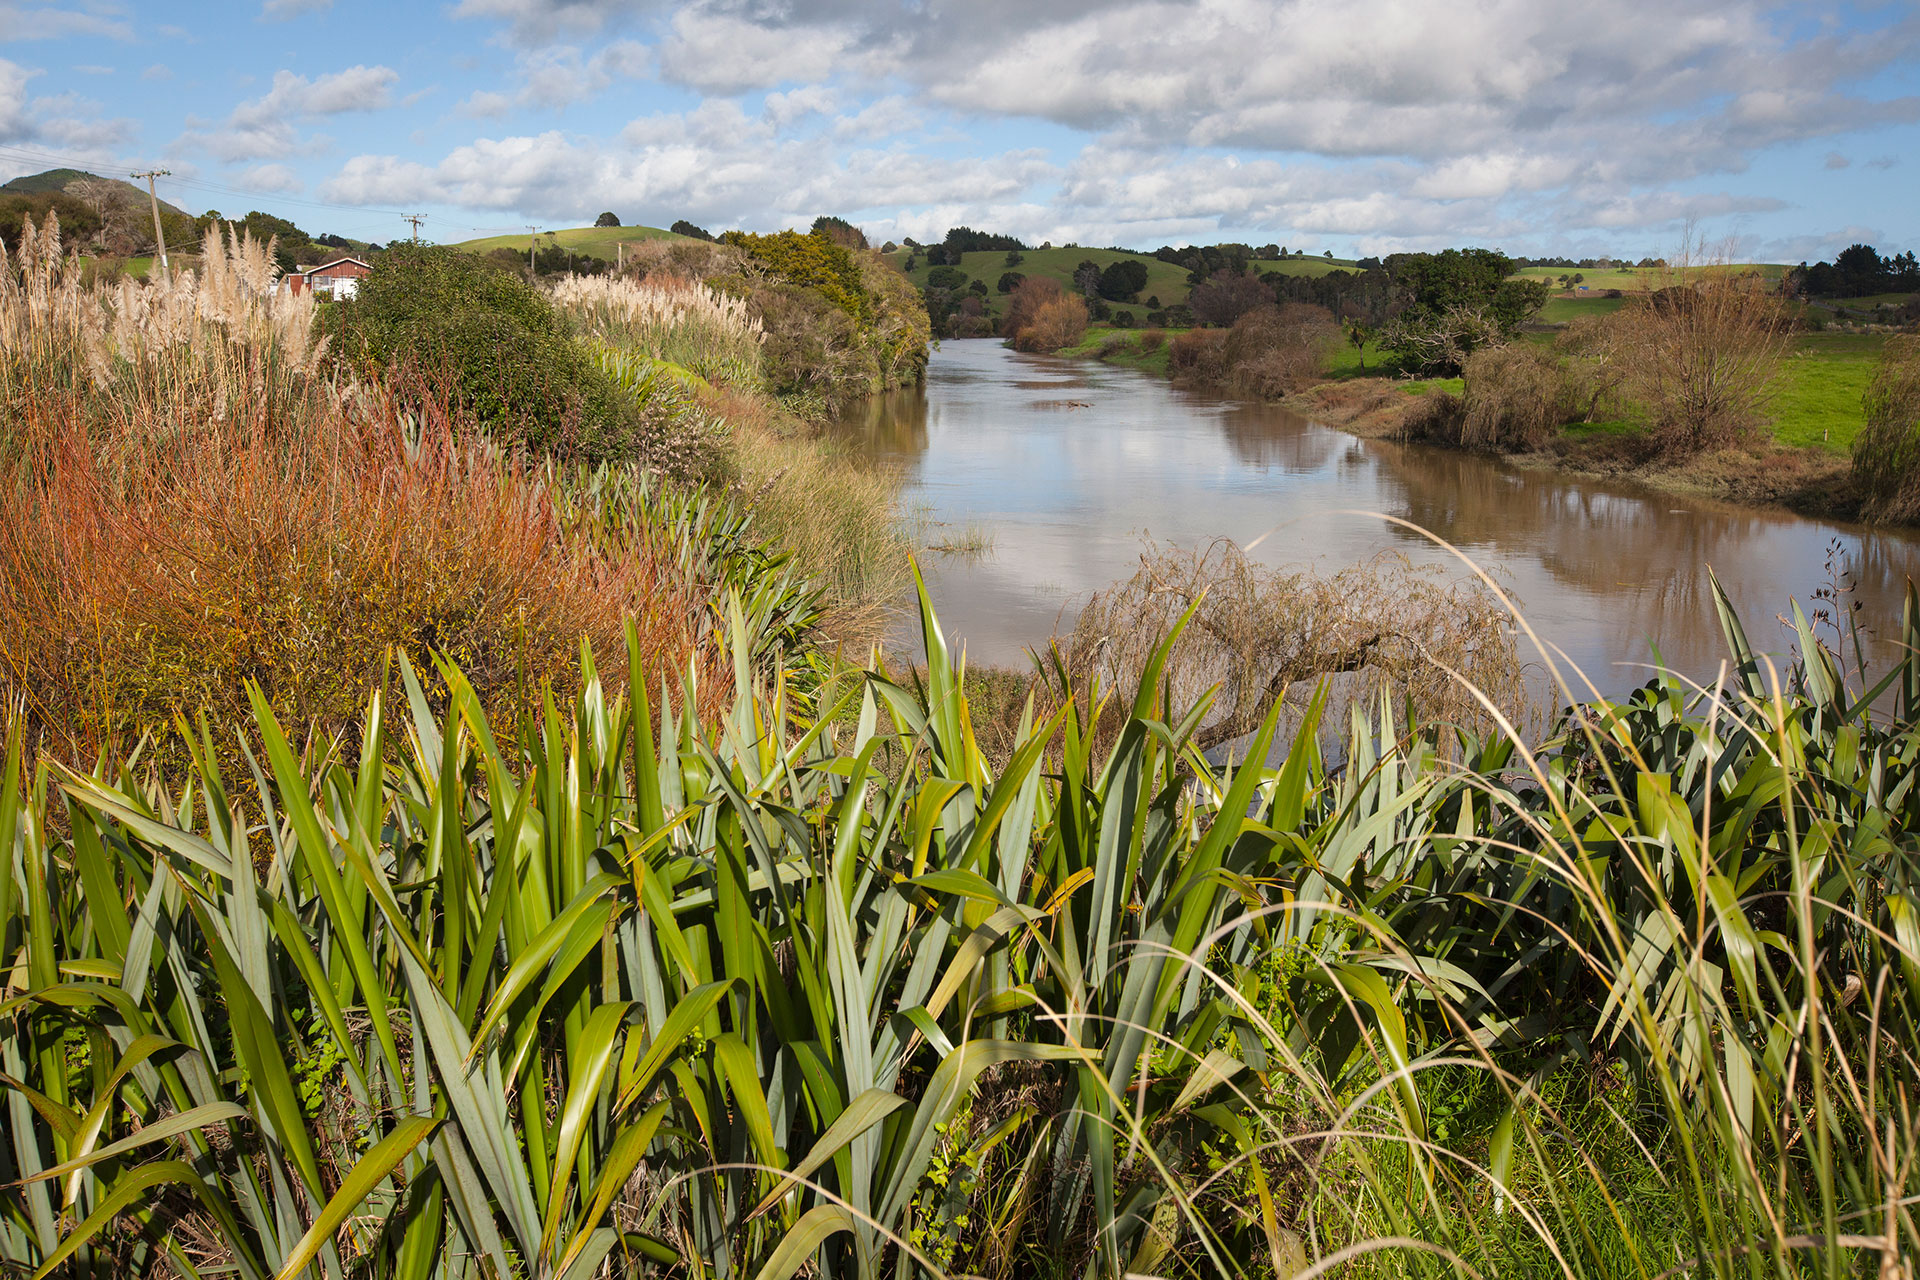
x=1041 y=316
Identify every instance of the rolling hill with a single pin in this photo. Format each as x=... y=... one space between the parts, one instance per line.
x=66 y=179
x=601 y=242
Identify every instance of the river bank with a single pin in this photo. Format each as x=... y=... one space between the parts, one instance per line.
x=1791 y=474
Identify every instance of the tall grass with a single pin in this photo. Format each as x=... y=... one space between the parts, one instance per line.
x=149 y=365
x=684 y=323
x=648 y=991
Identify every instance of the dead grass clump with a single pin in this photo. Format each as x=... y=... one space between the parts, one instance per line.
x=1271 y=351
x=1886 y=453
x=1199 y=355
x=1517 y=397
x=128 y=597
x=1056 y=324
x=1262 y=634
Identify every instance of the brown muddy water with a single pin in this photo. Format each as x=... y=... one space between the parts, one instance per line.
x=1069 y=466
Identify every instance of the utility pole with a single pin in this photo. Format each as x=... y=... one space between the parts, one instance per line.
x=533 y=238
x=159 y=235
x=416 y=219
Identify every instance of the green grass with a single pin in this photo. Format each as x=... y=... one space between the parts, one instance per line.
x=1563 y=309
x=1165 y=281
x=1818 y=399
x=601 y=242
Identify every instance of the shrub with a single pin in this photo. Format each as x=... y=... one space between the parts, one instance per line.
x=1057 y=323
x=608 y=219
x=1153 y=339
x=1273 y=350
x=1227 y=295
x=1886 y=453
x=1517 y=396
x=489 y=343
x=1702 y=356
x=136 y=597
x=1199 y=354
x=810 y=261
x=946 y=278
x=1026 y=299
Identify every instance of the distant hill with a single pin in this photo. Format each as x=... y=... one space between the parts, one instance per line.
x=601 y=242
x=92 y=183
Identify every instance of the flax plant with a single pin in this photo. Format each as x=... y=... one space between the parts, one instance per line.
x=806 y=986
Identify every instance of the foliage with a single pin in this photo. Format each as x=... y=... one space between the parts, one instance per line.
x=1122 y=281
x=1041 y=316
x=76 y=219
x=1702 y=356
x=490 y=344
x=811 y=262
x=1273 y=350
x=682 y=227
x=761 y=991
x=1857 y=271
x=840 y=231
x=608 y=219
x=946 y=278
x=1225 y=296
x=1886 y=453
x=1459 y=301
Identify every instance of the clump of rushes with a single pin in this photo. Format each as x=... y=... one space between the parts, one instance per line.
x=788 y=990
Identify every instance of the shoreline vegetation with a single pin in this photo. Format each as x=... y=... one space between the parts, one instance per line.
x=1743 y=382
x=445 y=835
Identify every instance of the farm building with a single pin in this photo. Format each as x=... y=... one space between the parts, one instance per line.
x=336 y=279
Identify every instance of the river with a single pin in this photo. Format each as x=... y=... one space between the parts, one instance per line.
x=1070 y=465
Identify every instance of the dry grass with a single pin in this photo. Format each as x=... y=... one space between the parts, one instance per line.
x=1260 y=633
x=1886 y=454
x=1517 y=397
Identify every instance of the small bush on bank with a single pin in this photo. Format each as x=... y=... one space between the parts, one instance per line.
x=1517 y=396
x=1271 y=351
x=1886 y=453
x=1199 y=354
x=1041 y=316
x=491 y=345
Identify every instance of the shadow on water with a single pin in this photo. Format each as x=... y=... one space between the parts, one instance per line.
x=1602 y=571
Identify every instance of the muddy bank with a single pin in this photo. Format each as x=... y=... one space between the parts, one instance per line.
x=1811 y=482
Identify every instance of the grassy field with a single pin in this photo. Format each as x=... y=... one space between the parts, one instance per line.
x=601 y=242
x=1560 y=310
x=1818 y=399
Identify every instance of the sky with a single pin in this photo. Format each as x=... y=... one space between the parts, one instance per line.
x=1779 y=132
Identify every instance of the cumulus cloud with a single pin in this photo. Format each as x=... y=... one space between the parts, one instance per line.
x=265 y=126
x=272 y=177
x=15 y=126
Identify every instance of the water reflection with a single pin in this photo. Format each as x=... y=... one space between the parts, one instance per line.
x=1604 y=571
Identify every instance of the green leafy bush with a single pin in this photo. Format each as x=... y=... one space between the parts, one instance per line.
x=489 y=342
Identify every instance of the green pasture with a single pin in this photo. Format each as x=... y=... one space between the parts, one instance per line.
x=1562 y=309
x=601 y=242
x=1817 y=400
x=1165 y=281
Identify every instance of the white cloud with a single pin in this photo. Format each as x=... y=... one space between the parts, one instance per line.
x=272 y=177
x=264 y=126
x=15 y=125
x=483 y=104
x=50 y=22
x=285 y=9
